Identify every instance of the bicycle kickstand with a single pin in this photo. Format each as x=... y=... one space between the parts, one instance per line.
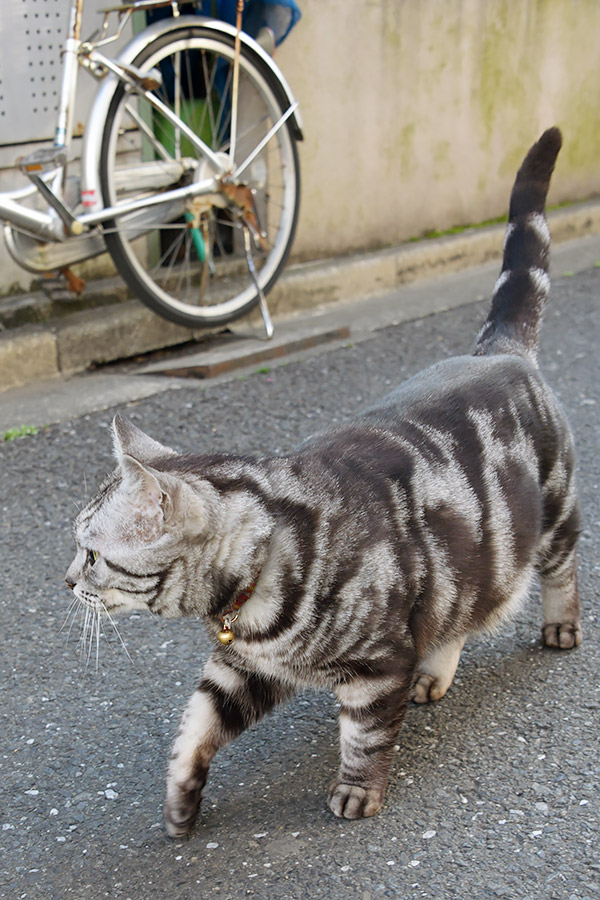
x=264 y=309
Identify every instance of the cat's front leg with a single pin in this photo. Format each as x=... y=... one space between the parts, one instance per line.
x=226 y=702
x=371 y=713
x=198 y=740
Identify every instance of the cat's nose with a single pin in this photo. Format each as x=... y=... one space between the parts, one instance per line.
x=70 y=583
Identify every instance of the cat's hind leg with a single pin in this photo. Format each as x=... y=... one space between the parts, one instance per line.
x=435 y=672
x=371 y=713
x=557 y=569
x=560 y=602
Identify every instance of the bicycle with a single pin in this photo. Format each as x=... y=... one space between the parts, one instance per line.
x=189 y=168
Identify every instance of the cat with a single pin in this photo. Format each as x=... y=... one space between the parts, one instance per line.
x=363 y=560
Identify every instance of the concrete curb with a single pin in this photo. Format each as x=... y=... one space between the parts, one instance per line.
x=120 y=331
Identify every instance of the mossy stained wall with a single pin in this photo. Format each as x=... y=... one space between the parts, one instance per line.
x=418 y=112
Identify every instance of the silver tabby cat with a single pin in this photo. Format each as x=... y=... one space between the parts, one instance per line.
x=363 y=560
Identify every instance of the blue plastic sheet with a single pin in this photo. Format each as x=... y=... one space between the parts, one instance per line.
x=278 y=15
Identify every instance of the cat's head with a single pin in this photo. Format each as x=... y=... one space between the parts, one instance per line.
x=130 y=537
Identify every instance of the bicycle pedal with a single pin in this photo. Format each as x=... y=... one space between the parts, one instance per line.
x=42 y=160
x=62 y=285
x=54 y=286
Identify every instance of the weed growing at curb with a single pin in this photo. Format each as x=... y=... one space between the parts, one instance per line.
x=19 y=431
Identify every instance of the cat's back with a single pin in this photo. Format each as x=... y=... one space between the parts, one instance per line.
x=465 y=407
x=462 y=385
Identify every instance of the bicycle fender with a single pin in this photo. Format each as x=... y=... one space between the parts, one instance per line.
x=91 y=193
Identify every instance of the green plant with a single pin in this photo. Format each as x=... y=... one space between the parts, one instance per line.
x=19 y=431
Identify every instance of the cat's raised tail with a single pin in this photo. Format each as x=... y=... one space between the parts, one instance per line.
x=523 y=286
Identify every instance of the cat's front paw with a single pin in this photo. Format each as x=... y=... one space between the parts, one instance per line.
x=349 y=801
x=562 y=635
x=181 y=808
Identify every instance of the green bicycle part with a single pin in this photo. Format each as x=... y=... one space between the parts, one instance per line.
x=197 y=238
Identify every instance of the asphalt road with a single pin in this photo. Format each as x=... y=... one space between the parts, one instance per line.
x=494 y=791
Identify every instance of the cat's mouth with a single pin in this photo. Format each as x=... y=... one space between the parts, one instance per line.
x=96 y=605
x=89 y=601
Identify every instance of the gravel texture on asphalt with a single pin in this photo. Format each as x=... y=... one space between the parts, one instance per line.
x=494 y=790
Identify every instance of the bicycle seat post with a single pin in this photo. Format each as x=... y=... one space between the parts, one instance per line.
x=64 y=125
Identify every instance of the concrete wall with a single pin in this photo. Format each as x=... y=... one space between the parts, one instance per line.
x=417 y=113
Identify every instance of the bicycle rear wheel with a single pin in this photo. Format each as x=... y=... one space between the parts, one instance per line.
x=187 y=260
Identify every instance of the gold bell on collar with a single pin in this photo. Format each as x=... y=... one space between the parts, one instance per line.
x=226 y=636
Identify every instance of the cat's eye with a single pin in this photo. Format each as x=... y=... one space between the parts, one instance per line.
x=92 y=556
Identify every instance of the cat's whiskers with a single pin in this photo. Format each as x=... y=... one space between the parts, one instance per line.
x=97 y=628
x=83 y=615
x=84 y=631
x=117 y=632
x=70 y=614
x=90 y=636
x=88 y=626
x=106 y=637
x=91 y=627
x=87 y=638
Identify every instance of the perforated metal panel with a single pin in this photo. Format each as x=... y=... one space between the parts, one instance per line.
x=32 y=34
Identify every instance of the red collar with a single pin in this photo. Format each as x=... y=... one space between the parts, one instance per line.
x=226 y=635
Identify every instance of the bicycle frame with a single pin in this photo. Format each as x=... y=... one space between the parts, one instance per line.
x=41 y=240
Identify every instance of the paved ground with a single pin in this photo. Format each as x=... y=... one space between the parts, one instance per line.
x=59 y=400
x=494 y=792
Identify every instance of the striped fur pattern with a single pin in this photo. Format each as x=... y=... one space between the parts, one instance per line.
x=379 y=546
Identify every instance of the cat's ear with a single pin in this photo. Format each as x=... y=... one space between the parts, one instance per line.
x=129 y=440
x=147 y=495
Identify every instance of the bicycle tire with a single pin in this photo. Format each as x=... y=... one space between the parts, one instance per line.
x=175 y=282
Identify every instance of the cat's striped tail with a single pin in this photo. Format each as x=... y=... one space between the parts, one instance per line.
x=523 y=286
